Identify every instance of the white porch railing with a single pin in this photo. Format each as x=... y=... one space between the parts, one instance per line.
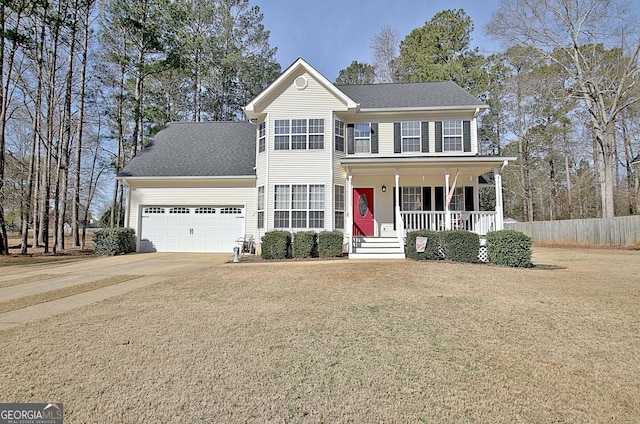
x=476 y=222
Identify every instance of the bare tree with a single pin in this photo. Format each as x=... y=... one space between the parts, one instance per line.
x=573 y=34
x=384 y=47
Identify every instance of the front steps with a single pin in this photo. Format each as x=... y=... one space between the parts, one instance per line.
x=376 y=248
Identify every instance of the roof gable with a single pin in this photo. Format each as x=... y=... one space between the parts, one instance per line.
x=197 y=149
x=300 y=66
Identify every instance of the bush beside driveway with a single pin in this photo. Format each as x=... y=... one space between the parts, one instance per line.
x=347 y=341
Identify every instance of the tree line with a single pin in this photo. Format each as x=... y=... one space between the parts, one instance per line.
x=563 y=96
x=87 y=83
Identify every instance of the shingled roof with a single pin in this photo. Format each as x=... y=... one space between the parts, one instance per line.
x=197 y=149
x=445 y=94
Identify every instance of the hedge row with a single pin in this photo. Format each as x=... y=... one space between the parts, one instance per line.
x=509 y=248
x=458 y=246
x=506 y=247
x=112 y=241
x=304 y=244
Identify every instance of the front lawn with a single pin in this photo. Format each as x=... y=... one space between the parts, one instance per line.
x=348 y=341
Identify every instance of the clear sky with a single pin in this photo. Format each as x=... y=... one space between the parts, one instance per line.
x=330 y=34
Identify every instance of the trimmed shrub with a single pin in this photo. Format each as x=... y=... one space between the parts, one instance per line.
x=330 y=244
x=305 y=244
x=509 y=248
x=432 y=249
x=460 y=245
x=276 y=245
x=112 y=241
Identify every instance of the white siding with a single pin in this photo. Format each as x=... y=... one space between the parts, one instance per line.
x=300 y=166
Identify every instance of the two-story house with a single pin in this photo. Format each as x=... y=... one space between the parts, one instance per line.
x=373 y=161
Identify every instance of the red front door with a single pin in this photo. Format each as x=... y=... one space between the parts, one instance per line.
x=363 y=212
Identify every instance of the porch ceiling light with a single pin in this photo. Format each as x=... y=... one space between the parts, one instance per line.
x=384 y=188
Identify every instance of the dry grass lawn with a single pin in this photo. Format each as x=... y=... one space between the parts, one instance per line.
x=348 y=342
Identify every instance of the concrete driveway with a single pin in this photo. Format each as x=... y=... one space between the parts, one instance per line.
x=136 y=270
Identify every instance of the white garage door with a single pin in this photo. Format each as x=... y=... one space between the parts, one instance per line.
x=190 y=229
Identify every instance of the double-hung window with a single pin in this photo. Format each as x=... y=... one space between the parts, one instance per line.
x=362 y=137
x=262 y=136
x=282 y=134
x=316 y=206
x=316 y=134
x=452 y=136
x=339 y=136
x=411 y=136
x=261 y=207
x=282 y=206
x=339 y=207
x=411 y=198
x=457 y=200
x=299 y=206
x=298 y=134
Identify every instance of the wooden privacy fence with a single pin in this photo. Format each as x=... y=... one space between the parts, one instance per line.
x=619 y=231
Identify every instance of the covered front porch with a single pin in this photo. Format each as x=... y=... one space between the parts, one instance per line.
x=386 y=198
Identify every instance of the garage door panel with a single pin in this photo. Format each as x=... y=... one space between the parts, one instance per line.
x=190 y=229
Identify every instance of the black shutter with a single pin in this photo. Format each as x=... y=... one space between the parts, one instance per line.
x=466 y=135
x=425 y=136
x=397 y=142
x=351 y=149
x=439 y=198
x=439 y=137
x=469 y=200
x=374 y=137
x=426 y=198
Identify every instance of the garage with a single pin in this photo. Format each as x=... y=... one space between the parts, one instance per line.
x=191 y=229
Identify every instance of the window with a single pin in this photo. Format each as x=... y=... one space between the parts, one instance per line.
x=316 y=206
x=299 y=206
x=410 y=135
x=316 y=134
x=153 y=210
x=452 y=136
x=362 y=137
x=281 y=137
x=457 y=200
x=262 y=136
x=339 y=136
x=339 y=207
x=179 y=210
x=281 y=206
x=261 y=207
x=299 y=134
x=205 y=210
x=411 y=198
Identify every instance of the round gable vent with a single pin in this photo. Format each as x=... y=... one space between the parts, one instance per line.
x=300 y=83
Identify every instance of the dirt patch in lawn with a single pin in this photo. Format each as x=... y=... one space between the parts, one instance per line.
x=348 y=341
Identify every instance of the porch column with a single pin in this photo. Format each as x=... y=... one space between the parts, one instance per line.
x=447 y=211
x=348 y=213
x=399 y=222
x=499 y=205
